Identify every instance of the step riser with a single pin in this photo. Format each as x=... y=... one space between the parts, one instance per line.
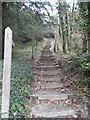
x=43 y=75
x=46 y=72
x=48 y=59
x=47 y=56
x=49 y=80
x=47 y=67
x=58 y=115
x=46 y=64
x=51 y=98
x=53 y=77
x=48 y=85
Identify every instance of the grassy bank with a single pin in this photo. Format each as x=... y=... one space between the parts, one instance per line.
x=21 y=77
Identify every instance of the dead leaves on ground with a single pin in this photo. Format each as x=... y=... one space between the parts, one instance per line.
x=73 y=103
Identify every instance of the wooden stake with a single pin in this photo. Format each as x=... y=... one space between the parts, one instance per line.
x=6 y=73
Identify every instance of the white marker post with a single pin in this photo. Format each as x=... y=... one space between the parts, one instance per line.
x=6 y=73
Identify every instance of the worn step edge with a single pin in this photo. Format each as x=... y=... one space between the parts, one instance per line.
x=62 y=96
x=46 y=67
x=57 y=114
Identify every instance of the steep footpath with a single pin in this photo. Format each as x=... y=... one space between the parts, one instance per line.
x=51 y=95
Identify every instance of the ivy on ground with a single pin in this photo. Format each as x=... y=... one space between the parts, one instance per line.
x=21 y=78
x=84 y=83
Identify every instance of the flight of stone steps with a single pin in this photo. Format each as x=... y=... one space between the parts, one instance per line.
x=50 y=96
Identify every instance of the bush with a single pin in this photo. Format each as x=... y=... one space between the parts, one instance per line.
x=84 y=83
x=84 y=65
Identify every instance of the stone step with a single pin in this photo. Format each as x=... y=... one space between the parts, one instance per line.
x=48 y=63
x=47 y=60
x=53 y=111
x=54 y=92
x=47 y=70
x=49 y=96
x=52 y=85
x=47 y=57
x=46 y=73
x=45 y=52
x=49 y=78
x=47 y=67
x=43 y=94
x=54 y=115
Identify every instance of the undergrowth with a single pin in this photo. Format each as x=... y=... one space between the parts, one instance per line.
x=83 y=83
x=21 y=77
x=78 y=68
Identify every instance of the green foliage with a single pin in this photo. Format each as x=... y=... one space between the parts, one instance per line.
x=21 y=78
x=84 y=83
x=24 y=21
x=83 y=86
x=85 y=65
x=83 y=14
x=24 y=50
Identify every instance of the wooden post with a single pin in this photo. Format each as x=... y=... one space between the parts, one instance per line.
x=6 y=73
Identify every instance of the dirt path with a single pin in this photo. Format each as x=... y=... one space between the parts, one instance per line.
x=52 y=95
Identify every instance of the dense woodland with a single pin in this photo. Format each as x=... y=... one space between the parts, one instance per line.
x=31 y=24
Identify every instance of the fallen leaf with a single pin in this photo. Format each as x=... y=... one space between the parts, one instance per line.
x=75 y=116
x=68 y=101
x=76 y=106
x=62 y=90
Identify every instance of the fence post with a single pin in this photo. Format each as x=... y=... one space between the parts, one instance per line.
x=6 y=73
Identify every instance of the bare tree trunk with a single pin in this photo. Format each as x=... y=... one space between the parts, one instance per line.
x=32 y=52
x=68 y=42
x=84 y=48
x=71 y=15
x=56 y=34
x=36 y=45
x=55 y=46
x=61 y=17
x=63 y=35
x=60 y=31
